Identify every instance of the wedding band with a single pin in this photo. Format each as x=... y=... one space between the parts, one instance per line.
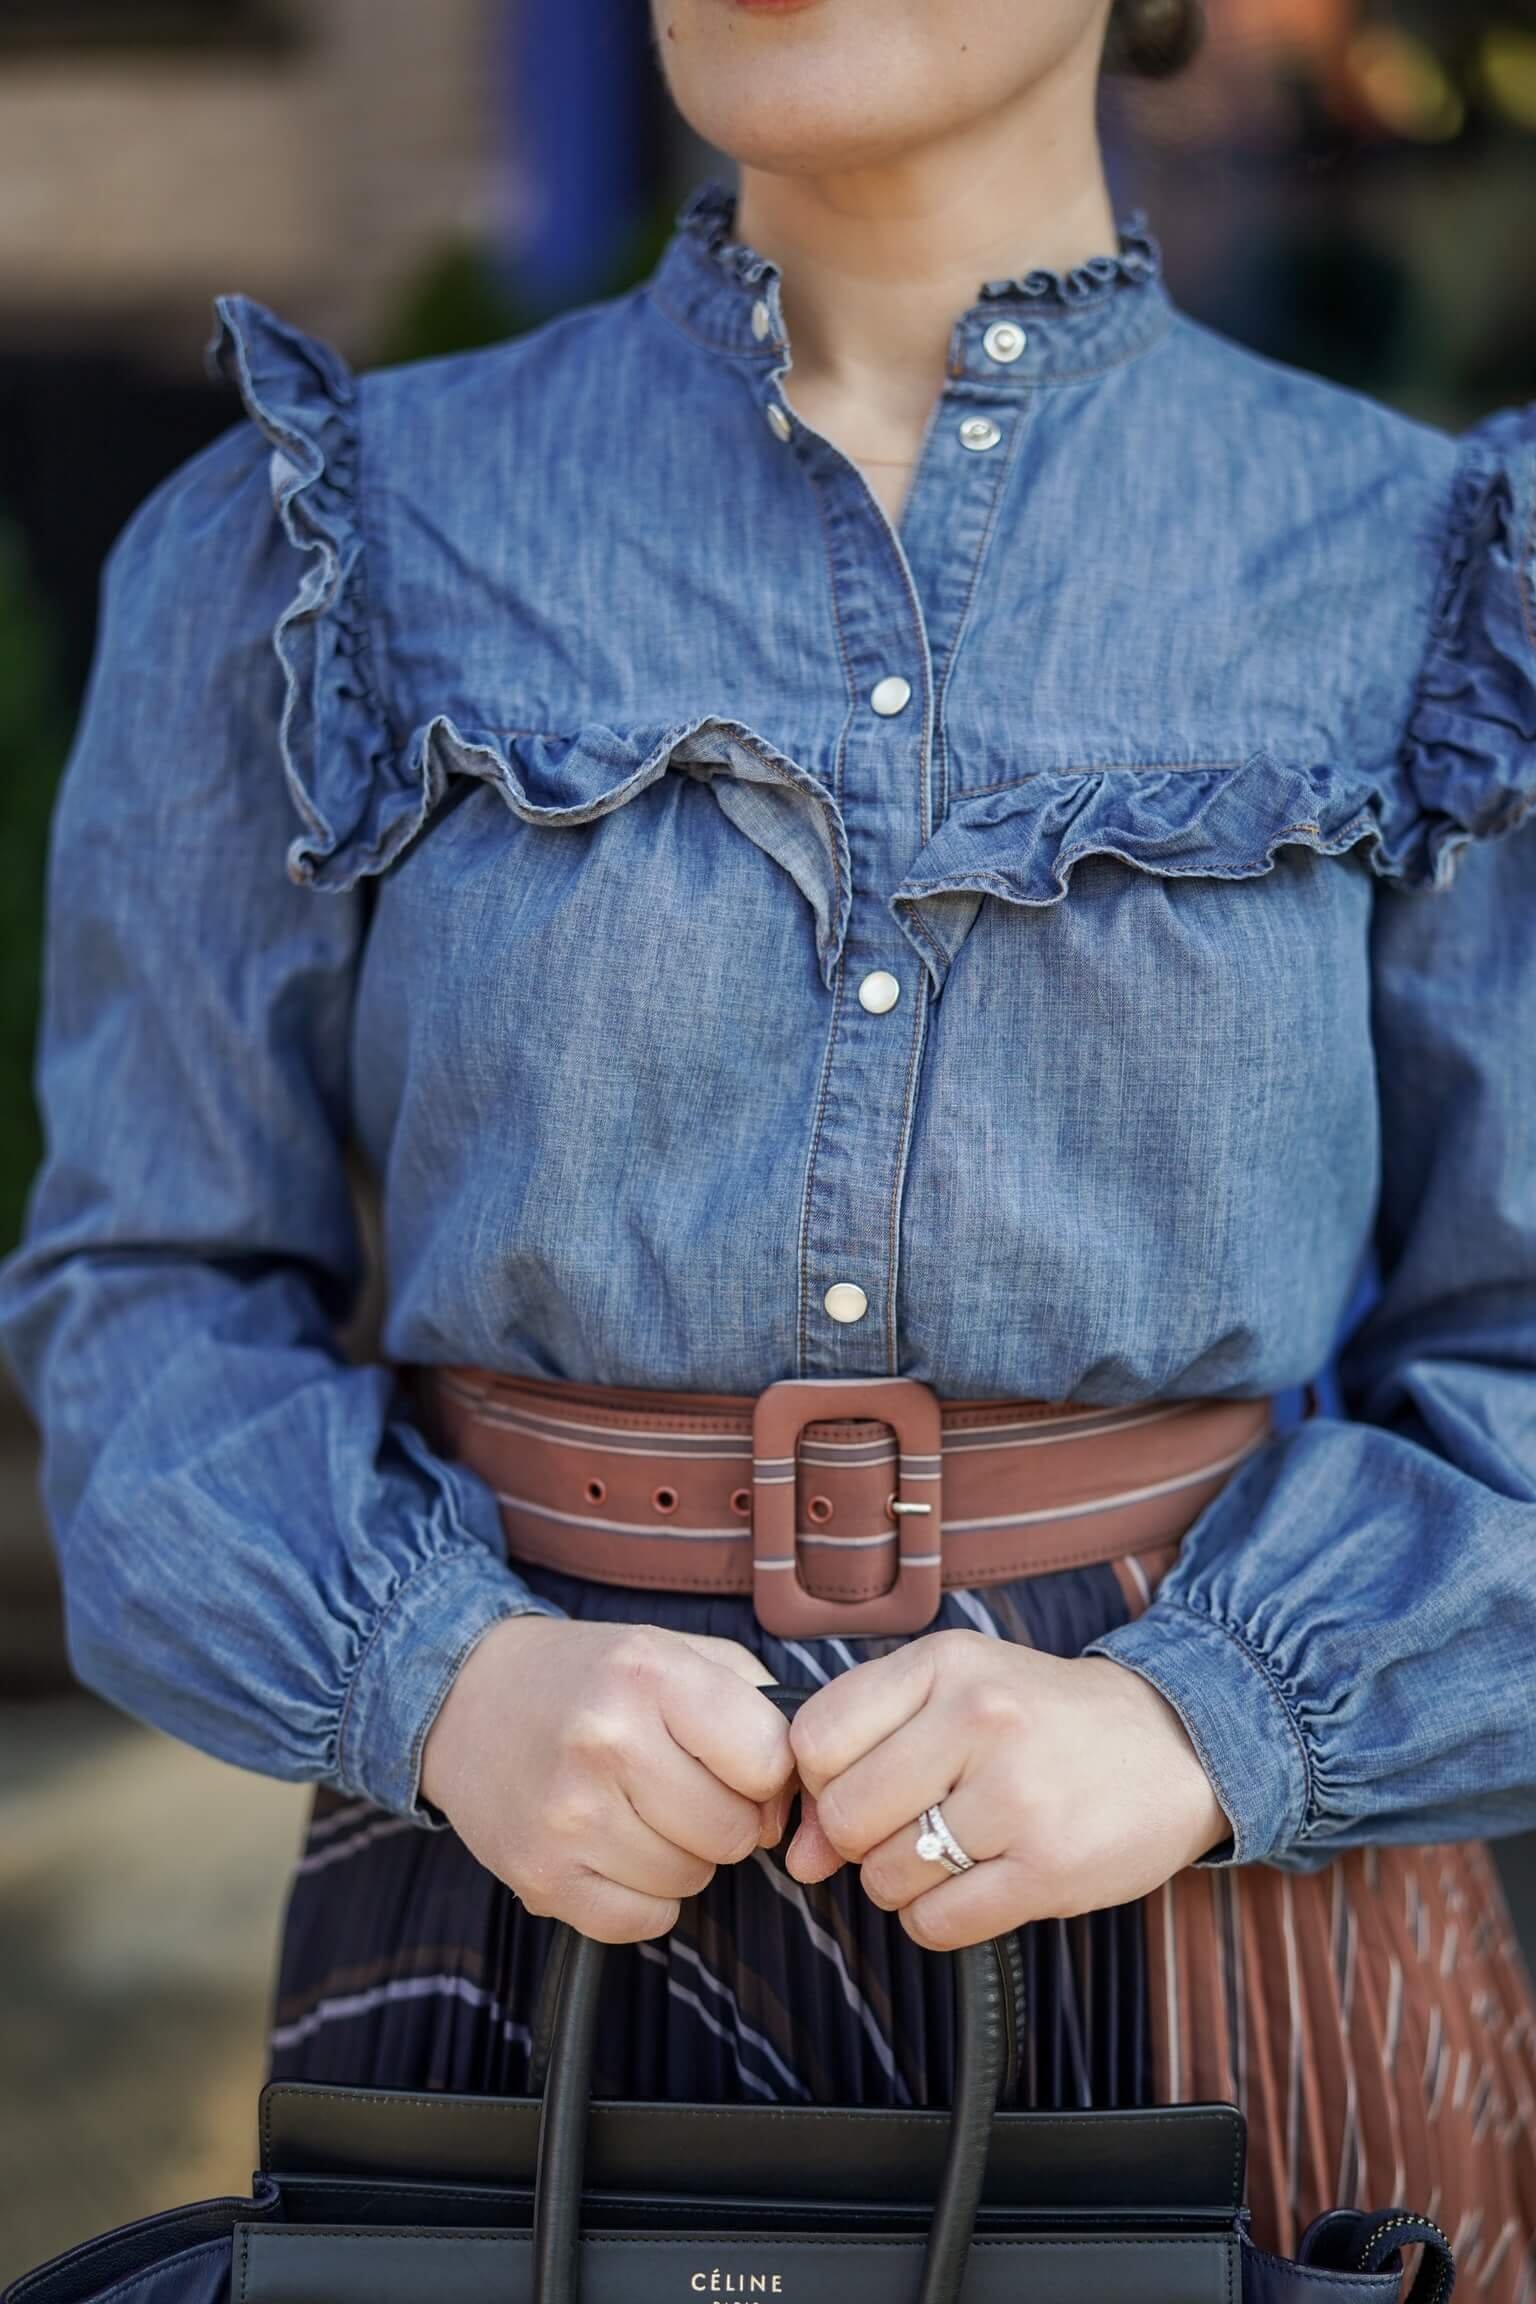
x=936 y=1844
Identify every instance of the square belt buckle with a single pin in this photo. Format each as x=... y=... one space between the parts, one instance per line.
x=779 y=1415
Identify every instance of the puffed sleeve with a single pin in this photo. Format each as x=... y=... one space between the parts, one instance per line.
x=259 y=1553
x=1349 y=1630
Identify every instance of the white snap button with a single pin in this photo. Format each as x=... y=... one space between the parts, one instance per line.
x=1004 y=340
x=878 y=991
x=777 y=420
x=892 y=694
x=761 y=323
x=979 y=432
x=846 y=1300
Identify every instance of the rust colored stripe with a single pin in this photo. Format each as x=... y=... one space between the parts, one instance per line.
x=1388 y=2044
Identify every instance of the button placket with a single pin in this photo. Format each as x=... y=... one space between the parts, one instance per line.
x=895 y=593
x=904 y=596
x=848 y=1256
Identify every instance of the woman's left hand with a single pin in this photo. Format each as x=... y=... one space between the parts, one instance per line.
x=1070 y=1780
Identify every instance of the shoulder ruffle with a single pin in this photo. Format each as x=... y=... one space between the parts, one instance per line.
x=1463 y=768
x=343 y=769
x=1469 y=752
x=364 y=786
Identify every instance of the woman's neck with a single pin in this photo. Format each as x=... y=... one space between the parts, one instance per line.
x=879 y=261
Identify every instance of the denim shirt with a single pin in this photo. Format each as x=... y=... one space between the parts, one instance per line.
x=522 y=763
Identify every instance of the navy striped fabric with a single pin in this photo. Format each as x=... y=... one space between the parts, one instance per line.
x=406 y=1964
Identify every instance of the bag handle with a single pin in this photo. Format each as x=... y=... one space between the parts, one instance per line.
x=989 y=2012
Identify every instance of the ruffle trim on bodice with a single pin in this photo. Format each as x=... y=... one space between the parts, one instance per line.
x=363 y=789
x=1463 y=769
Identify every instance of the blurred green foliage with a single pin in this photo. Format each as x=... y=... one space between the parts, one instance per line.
x=452 y=303
x=34 y=731
x=460 y=298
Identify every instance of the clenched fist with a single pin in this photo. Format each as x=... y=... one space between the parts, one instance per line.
x=604 y=1770
x=1070 y=1781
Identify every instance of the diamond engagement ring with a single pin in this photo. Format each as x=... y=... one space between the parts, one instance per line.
x=936 y=1844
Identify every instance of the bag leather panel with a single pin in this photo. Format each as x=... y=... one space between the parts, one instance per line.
x=355 y=2200
x=1187 y=2157
x=298 y=2266
x=1271 y=2279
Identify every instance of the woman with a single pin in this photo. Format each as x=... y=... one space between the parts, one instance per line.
x=885 y=805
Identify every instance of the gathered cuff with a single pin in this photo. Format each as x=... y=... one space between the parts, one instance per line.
x=1248 y=1739
x=407 y=1666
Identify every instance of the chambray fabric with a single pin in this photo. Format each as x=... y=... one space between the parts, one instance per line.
x=479 y=760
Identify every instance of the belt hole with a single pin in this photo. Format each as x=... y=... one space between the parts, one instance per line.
x=664 y=1499
x=820 y=1508
x=741 y=1501
x=890 y=1505
x=596 y=1491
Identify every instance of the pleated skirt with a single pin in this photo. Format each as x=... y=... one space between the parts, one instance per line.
x=1373 y=2020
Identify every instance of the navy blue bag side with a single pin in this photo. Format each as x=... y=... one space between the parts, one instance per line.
x=1354 y=2254
x=185 y=2256
x=181 y=2256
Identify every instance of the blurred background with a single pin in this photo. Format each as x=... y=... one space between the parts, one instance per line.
x=1350 y=187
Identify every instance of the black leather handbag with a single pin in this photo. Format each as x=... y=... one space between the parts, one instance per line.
x=378 y=2196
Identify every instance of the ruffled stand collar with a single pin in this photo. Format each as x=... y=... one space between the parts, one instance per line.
x=1078 y=318
x=708 y=215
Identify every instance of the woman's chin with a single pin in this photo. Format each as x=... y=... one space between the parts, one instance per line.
x=797 y=124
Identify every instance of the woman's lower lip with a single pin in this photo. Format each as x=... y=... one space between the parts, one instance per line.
x=782 y=6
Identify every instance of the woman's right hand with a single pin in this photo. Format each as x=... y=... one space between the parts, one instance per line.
x=604 y=1770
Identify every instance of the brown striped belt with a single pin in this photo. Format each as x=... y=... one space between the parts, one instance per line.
x=841 y=1504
